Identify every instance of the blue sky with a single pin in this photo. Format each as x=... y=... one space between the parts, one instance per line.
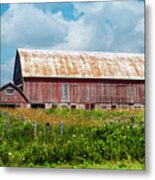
x=90 y=26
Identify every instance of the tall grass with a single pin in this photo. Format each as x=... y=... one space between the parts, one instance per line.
x=76 y=117
x=115 y=141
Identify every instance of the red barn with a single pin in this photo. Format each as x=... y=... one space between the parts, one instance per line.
x=12 y=96
x=88 y=80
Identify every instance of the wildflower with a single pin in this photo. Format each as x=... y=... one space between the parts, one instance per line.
x=10 y=154
x=68 y=141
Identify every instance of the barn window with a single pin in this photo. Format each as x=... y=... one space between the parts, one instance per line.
x=54 y=106
x=65 y=93
x=73 y=106
x=10 y=91
x=92 y=106
x=87 y=106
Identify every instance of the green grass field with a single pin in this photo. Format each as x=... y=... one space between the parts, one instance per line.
x=120 y=165
x=90 y=139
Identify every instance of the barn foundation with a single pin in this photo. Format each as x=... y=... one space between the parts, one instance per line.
x=48 y=105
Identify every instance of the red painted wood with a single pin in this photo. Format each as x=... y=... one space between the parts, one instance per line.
x=16 y=98
x=85 y=90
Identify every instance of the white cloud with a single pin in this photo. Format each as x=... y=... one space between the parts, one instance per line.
x=27 y=25
x=6 y=70
x=102 y=26
x=8 y=66
x=111 y=26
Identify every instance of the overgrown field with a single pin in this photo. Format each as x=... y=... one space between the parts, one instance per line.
x=89 y=139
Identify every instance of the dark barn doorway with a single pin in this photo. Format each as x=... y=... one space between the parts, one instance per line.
x=8 y=105
x=35 y=105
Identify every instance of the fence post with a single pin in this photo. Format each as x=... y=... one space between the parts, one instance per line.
x=14 y=117
x=48 y=128
x=61 y=128
x=3 y=114
x=6 y=128
x=35 y=129
x=24 y=120
x=111 y=121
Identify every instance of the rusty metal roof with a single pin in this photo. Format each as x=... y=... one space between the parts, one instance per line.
x=66 y=64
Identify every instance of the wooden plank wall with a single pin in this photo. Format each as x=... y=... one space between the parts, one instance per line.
x=84 y=91
x=16 y=98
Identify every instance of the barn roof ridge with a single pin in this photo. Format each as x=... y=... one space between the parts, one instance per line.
x=80 y=51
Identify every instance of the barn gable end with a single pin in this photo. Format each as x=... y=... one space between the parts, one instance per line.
x=12 y=96
x=17 y=76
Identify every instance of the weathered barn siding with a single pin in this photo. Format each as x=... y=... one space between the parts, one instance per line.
x=16 y=99
x=80 y=78
x=83 y=91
